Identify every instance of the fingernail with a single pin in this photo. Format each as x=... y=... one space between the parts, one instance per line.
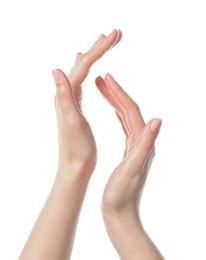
x=112 y=81
x=58 y=77
x=100 y=78
x=156 y=125
x=110 y=76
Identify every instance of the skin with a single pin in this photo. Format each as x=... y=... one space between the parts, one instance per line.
x=122 y=195
x=53 y=234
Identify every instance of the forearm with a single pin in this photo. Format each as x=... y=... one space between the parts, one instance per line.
x=53 y=233
x=129 y=238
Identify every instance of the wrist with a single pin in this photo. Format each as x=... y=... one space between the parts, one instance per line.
x=113 y=218
x=74 y=170
x=70 y=183
x=121 y=213
x=129 y=237
x=72 y=177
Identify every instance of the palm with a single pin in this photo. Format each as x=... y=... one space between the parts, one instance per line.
x=78 y=74
x=127 y=180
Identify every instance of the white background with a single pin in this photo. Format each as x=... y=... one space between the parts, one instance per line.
x=161 y=63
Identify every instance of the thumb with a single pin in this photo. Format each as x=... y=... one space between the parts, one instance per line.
x=146 y=141
x=64 y=93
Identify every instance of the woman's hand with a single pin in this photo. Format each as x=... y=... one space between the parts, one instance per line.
x=124 y=189
x=53 y=234
x=77 y=147
x=121 y=198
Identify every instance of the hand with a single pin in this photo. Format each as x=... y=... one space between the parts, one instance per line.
x=121 y=198
x=53 y=234
x=76 y=142
x=124 y=188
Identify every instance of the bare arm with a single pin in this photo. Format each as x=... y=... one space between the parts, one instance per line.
x=53 y=234
x=122 y=195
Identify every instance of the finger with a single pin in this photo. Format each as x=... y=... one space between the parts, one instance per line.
x=128 y=108
x=103 y=46
x=129 y=138
x=121 y=122
x=77 y=90
x=84 y=61
x=78 y=56
x=99 y=39
x=100 y=83
x=119 y=37
x=78 y=96
x=64 y=94
x=146 y=141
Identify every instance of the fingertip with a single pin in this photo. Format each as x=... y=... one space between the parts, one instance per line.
x=155 y=125
x=109 y=76
x=99 y=81
x=112 y=36
x=110 y=81
x=79 y=54
x=119 y=35
x=101 y=37
x=114 y=31
x=147 y=138
x=99 y=78
x=58 y=76
x=120 y=32
x=63 y=85
x=118 y=38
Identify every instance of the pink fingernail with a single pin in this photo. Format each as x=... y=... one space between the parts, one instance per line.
x=58 y=77
x=113 y=84
x=109 y=76
x=156 y=125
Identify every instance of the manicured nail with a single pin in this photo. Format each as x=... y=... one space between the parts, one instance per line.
x=112 y=82
x=110 y=76
x=155 y=125
x=58 y=77
x=111 y=79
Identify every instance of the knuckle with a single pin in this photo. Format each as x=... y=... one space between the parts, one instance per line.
x=61 y=96
x=130 y=111
x=133 y=109
x=147 y=145
x=86 y=58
